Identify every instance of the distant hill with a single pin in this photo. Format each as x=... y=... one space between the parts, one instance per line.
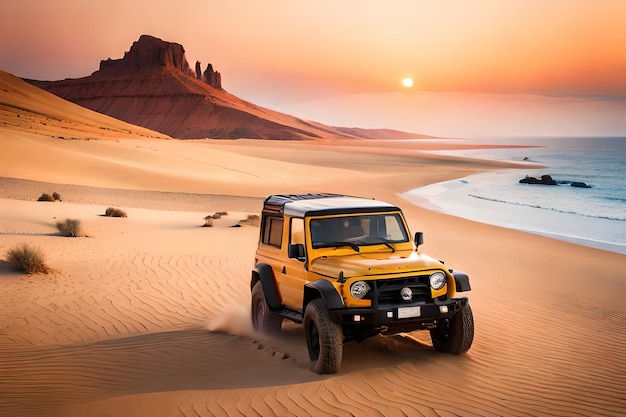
x=382 y=133
x=154 y=87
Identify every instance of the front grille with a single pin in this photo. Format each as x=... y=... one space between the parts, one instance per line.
x=388 y=291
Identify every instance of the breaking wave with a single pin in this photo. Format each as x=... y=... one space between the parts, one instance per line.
x=570 y=210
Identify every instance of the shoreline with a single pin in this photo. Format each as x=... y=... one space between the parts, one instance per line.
x=453 y=197
x=563 y=213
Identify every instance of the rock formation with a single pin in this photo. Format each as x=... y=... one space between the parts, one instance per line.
x=544 y=180
x=212 y=78
x=153 y=86
x=547 y=180
x=198 y=70
x=148 y=51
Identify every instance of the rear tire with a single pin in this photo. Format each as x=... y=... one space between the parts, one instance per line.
x=324 y=338
x=263 y=319
x=455 y=334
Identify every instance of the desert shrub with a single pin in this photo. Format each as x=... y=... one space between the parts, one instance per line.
x=45 y=197
x=119 y=213
x=251 y=220
x=115 y=212
x=56 y=196
x=28 y=258
x=208 y=220
x=70 y=228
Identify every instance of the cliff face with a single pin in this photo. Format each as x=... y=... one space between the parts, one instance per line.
x=148 y=51
x=154 y=87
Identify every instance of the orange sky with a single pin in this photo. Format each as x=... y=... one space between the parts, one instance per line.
x=281 y=52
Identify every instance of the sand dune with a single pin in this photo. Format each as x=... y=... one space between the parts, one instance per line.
x=26 y=108
x=150 y=314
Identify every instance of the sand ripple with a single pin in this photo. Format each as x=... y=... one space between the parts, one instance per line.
x=159 y=326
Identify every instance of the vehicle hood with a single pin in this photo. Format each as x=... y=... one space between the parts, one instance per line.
x=369 y=264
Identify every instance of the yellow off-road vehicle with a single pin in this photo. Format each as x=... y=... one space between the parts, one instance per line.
x=347 y=269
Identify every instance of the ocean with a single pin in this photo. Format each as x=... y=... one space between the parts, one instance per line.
x=594 y=217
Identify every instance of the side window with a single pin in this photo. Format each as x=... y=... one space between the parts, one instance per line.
x=395 y=228
x=273 y=231
x=297 y=231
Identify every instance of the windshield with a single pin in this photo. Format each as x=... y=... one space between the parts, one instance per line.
x=370 y=229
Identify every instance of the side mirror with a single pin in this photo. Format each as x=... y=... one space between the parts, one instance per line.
x=296 y=251
x=419 y=239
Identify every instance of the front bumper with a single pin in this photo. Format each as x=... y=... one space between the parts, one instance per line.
x=396 y=318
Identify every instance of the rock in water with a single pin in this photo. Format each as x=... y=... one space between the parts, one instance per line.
x=544 y=180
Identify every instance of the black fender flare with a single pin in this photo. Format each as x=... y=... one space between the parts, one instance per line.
x=264 y=273
x=462 y=281
x=326 y=291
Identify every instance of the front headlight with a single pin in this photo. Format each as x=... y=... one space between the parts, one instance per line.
x=437 y=280
x=359 y=289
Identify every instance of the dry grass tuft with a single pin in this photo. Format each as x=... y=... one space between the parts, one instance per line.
x=71 y=228
x=46 y=197
x=251 y=220
x=115 y=212
x=28 y=258
x=208 y=220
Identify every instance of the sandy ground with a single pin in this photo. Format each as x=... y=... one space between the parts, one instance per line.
x=149 y=315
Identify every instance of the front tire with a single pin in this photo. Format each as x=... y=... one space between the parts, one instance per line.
x=324 y=338
x=263 y=319
x=455 y=334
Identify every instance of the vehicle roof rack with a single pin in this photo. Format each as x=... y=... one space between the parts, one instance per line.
x=275 y=203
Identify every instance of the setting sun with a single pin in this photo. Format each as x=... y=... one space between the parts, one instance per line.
x=407 y=82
